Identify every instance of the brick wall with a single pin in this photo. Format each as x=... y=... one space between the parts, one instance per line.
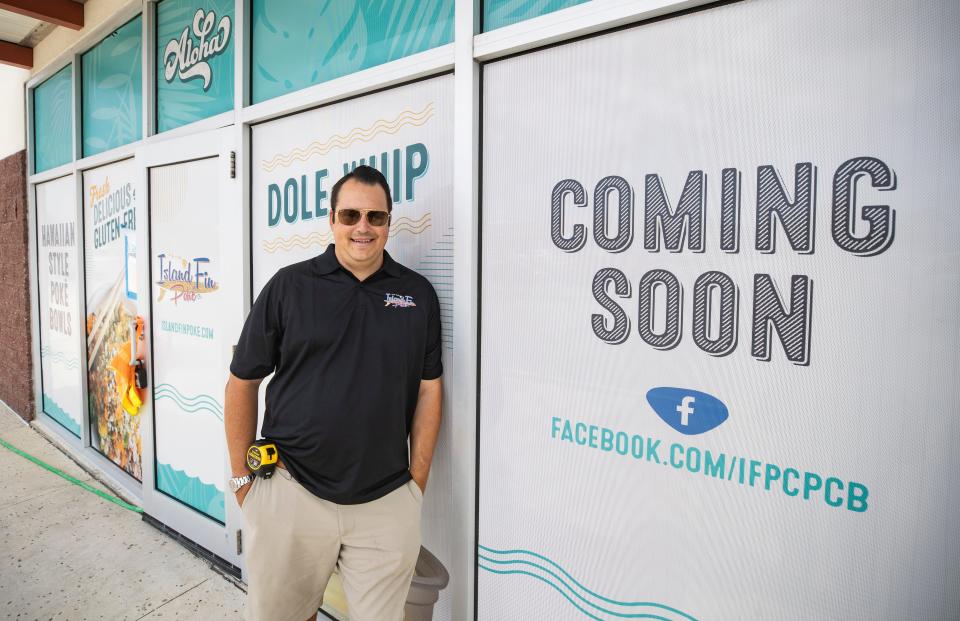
x=16 y=378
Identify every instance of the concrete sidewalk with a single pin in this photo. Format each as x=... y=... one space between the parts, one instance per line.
x=66 y=553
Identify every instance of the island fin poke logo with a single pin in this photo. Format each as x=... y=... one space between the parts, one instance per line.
x=186 y=280
x=398 y=301
x=186 y=60
x=690 y=412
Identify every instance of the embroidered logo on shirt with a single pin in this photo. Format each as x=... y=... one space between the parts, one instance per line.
x=398 y=301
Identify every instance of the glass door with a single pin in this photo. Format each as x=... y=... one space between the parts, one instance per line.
x=195 y=254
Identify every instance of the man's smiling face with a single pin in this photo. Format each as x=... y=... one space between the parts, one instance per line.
x=359 y=247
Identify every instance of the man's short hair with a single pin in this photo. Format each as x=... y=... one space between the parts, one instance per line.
x=366 y=175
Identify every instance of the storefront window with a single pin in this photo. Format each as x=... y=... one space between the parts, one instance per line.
x=112 y=90
x=53 y=121
x=500 y=13
x=112 y=310
x=194 y=60
x=299 y=43
x=190 y=284
x=58 y=289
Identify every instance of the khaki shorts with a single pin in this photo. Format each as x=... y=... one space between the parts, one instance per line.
x=293 y=540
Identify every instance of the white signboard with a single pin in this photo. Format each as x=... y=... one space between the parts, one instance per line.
x=721 y=301
x=189 y=309
x=406 y=133
x=109 y=208
x=58 y=278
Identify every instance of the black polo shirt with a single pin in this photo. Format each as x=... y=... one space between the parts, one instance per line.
x=347 y=358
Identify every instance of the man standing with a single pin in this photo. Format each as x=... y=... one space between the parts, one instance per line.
x=353 y=340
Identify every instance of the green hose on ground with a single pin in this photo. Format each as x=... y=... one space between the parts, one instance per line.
x=73 y=480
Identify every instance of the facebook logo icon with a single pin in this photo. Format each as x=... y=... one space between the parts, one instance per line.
x=685 y=409
x=690 y=412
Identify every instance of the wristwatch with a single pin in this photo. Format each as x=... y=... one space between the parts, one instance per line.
x=237 y=482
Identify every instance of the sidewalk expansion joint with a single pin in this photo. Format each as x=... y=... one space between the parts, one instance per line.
x=172 y=599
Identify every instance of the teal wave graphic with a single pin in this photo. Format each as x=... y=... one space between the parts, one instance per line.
x=52 y=409
x=186 y=403
x=59 y=357
x=203 y=497
x=590 y=603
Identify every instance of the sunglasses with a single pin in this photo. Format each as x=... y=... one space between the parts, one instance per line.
x=350 y=217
